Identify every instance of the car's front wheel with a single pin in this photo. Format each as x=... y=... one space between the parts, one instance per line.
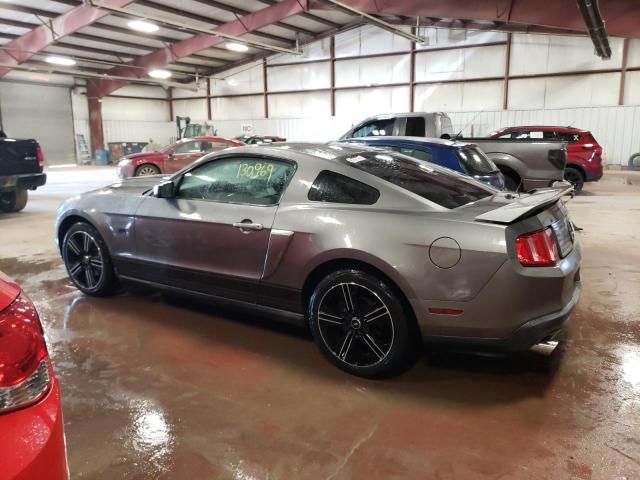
x=87 y=260
x=146 y=169
x=361 y=325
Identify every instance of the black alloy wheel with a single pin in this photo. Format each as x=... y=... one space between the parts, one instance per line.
x=87 y=260
x=361 y=325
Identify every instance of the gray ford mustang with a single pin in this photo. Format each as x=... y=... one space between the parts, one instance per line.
x=376 y=251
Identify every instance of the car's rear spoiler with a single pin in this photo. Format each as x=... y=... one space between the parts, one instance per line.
x=525 y=205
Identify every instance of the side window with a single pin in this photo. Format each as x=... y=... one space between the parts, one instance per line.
x=412 y=152
x=505 y=135
x=521 y=135
x=335 y=188
x=188 y=147
x=215 y=146
x=375 y=128
x=252 y=181
x=569 y=137
x=415 y=127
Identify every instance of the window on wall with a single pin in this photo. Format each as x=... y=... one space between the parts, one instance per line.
x=335 y=188
x=375 y=128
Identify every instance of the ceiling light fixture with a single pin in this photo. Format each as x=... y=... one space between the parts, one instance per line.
x=143 y=26
x=236 y=47
x=57 y=60
x=159 y=73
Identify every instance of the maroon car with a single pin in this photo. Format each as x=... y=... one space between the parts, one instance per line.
x=584 y=154
x=172 y=158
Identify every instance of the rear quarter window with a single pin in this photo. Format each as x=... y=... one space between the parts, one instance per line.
x=333 y=187
x=436 y=184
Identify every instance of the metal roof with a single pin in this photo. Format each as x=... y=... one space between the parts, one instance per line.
x=107 y=44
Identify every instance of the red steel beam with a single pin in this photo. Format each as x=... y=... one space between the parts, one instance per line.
x=24 y=47
x=622 y=17
x=191 y=45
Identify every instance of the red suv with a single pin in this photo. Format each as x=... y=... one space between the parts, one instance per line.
x=584 y=154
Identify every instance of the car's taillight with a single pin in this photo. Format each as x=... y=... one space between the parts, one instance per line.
x=538 y=249
x=25 y=374
x=40 y=156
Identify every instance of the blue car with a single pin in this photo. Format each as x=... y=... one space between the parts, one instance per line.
x=459 y=156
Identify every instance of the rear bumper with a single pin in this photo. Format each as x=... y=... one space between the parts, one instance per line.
x=516 y=309
x=530 y=333
x=594 y=173
x=32 y=441
x=28 y=181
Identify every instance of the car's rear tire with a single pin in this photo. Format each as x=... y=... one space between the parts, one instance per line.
x=146 y=169
x=361 y=325
x=511 y=181
x=575 y=177
x=634 y=162
x=13 y=201
x=87 y=260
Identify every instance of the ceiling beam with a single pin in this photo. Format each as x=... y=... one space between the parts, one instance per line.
x=307 y=15
x=196 y=43
x=185 y=14
x=242 y=12
x=621 y=16
x=44 y=35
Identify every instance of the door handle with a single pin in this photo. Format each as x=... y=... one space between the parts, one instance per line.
x=247 y=224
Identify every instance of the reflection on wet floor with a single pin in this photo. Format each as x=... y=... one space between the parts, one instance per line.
x=162 y=388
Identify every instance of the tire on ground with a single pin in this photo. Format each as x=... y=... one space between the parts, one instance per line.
x=144 y=168
x=107 y=282
x=392 y=357
x=574 y=176
x=13 y=201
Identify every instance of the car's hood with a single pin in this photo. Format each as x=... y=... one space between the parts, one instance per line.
x=137 y=185
x=507 y=207
x=144 y=155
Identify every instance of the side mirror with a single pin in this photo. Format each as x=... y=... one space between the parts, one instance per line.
x=170 y=156
x=164 y=190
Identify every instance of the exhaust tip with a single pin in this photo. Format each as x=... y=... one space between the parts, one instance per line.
x=545 y=347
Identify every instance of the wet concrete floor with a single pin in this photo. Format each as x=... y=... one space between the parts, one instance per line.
x=161 y=389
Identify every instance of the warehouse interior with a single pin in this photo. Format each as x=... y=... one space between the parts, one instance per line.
x=153 y=384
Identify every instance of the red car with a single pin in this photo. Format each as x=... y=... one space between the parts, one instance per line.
x=32 y=441
x=584 y=154
x=172 y=158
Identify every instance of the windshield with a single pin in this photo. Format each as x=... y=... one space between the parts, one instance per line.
x=475 y=161
x=447 y=189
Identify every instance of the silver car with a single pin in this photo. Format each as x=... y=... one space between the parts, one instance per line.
x=374 y=250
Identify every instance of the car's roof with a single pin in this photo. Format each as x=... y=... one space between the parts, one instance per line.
x=545 y=127
x=434 y=142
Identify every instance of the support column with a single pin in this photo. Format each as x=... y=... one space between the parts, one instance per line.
x=507 y=62
x=170 y=100
x=95 y=119
x=623 y=71
x=264 y=88
x=332 y=53
x=412 y=73
x=208 y=98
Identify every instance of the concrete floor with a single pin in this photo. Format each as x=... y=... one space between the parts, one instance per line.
x=160 y=390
